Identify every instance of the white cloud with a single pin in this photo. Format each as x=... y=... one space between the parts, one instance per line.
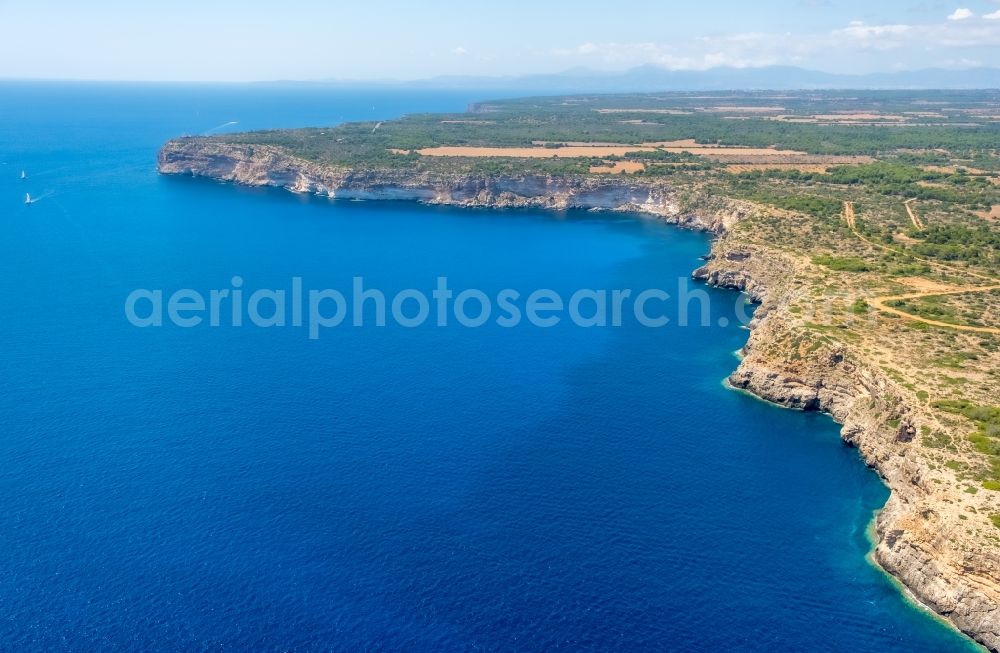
x=994 y=16
x=960 y=14
x=928 y=37
x=859 y=30
x=876 y=37
x=929 y=43
x=962 y=64
x=705 y=53
x=459 y=51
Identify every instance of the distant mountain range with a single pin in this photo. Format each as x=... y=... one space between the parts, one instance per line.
x=653 y=78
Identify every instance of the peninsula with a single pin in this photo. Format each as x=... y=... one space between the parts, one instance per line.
x=866 y=224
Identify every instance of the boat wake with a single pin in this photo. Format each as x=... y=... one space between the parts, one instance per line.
x=28 y=199
x=222 y=126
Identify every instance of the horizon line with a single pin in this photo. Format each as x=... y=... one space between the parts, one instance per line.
x=569 y=72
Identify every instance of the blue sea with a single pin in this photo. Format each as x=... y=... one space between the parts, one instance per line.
x=385 y=488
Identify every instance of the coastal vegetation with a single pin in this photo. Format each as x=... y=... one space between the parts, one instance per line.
x=842 y=263
x=985 y=438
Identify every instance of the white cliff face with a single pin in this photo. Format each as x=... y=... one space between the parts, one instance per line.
x=268 y=166
x=919 y=539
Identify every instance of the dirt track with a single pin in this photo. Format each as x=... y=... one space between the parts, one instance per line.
x=913 y=215
x=880 y=302
x=852 y=220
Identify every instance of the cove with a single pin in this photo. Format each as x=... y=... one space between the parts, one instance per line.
x=394 y=488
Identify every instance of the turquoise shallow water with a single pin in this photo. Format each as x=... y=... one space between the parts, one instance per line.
x=385 y=488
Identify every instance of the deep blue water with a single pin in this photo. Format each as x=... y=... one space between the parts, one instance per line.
x=384 y=488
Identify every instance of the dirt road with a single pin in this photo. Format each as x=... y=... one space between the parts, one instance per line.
x=917 y=222
x=880 y=303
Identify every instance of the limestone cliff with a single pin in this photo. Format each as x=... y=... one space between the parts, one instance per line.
x=269 y=166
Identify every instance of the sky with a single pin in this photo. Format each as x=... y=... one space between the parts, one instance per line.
x=254 y=40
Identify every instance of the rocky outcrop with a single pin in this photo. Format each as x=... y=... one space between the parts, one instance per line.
x=919 y=538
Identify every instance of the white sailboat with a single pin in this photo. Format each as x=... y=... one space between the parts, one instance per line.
x=24 y=175
x=27 y=198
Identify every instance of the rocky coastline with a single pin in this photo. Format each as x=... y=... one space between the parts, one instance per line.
x=916 y=529
x=917 y=534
